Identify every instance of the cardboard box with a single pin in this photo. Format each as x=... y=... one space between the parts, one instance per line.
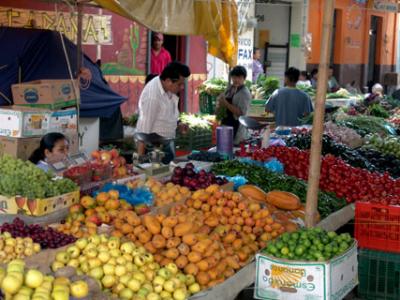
x=293 y=280
x=37 y=207
x=49 y=94
x=21 y=148
x=23 y=121
x=64 y=121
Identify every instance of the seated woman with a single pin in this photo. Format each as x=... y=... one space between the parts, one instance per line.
x=53 y=148
x=376 y=96
x=236 y=100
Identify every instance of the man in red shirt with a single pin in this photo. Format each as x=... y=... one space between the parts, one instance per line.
x=160 y=57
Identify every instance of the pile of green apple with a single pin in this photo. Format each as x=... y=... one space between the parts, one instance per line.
x=20 y=284
x=124 y=270
x=11 y=248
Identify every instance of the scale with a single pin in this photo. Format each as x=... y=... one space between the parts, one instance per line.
x=256 y=129
x=151 y=163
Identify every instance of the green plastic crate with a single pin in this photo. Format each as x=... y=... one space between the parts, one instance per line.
x=379 y=275
x=207 y=103
x=194 y=140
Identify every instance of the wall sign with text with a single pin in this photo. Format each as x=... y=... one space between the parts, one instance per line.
x=96 y=29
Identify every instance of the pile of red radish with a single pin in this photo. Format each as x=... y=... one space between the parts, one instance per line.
x=193 y=180
x=354 y=184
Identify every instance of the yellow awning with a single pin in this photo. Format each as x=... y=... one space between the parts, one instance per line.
x=216 y=20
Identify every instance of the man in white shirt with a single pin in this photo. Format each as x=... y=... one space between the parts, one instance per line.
x=158 y=106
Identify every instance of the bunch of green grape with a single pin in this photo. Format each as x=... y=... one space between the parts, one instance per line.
x=23 y=178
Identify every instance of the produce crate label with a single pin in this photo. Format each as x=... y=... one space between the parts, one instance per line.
x=23 y=123
x=274 y=278
x=37 y=207
x=293 y=280
x=64 y=121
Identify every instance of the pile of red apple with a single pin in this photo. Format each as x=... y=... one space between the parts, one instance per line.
x=103 y=159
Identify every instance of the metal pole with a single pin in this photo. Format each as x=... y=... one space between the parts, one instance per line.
x=187 y=62
x=148 y=52
x=318 y=123
x=79 y=37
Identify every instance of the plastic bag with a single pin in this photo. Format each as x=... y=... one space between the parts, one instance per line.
x=274 y=165
x=134 y=197
x=237 y=180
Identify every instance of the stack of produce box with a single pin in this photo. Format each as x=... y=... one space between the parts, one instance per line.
x=377 y=230
x=40 y=107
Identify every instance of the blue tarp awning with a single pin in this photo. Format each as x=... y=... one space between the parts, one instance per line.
x=39 y=54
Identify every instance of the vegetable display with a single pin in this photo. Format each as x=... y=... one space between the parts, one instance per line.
x=314 y=244
x=362 y=157
x=269 y=181
x=367 y=125
x=377 y=110
x=389 y=145
x=307 y=89
x=343 y=135
x=195 y=122
x=24 y=179
x=354 y=184
x=340 y=94
x=213 y=86
x=269 y=84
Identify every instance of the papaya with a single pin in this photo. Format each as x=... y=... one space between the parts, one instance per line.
x=253 y=192
x=283 y=200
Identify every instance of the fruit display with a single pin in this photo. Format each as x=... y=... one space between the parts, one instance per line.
x=11 y=248
x=85 y=217
x=163 y=193
x=81 y=174
x=188 y=177
x=24 y=179
x=267 y=181
x=106 y=158
x=125 y=270
x=19 y=283
x=211 y=236
x=389 y=145
x=44 y=237
x=354 y=184
x=313 y=244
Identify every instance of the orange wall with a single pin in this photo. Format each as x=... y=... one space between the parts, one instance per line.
x=352 y=33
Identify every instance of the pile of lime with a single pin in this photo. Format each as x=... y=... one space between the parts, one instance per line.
x=314 y=244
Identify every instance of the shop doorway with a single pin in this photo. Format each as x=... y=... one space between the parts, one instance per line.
x=176 y=46
x=374 y=37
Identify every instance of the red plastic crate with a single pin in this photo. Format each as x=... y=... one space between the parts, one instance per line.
x=377 y=227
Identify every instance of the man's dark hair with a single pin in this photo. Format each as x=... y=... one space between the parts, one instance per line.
x=292 y=74
x=239 y=71
x=331 y=67
x=149 y=78
x=314 y=71
x=174 y=70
